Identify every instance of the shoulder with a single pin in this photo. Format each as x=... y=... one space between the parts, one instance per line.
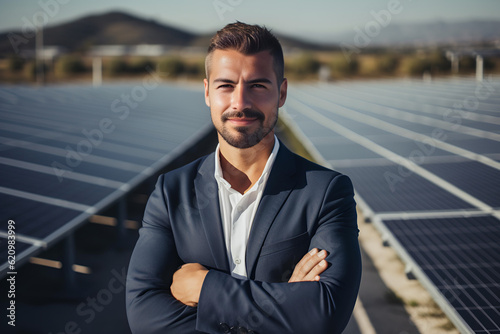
x=190 y=168
x=188 y=172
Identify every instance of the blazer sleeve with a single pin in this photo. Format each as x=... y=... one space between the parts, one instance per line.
x=151 y=308
x=303 y=307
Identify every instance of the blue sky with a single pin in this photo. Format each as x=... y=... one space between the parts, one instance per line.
x=318 y=20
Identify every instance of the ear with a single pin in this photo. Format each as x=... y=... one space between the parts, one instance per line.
x=283 y=92
x=207 y=99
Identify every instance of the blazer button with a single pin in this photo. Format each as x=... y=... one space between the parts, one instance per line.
x=224 y=328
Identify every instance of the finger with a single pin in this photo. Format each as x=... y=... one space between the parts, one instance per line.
x=307 y=257
x=296 y=274
x=314 y=274
x=307 y=268
x=315 y=266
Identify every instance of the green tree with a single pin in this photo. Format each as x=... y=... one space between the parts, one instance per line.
x=142 y=65
x=387 y=64
x=305 y=65
x=171 y=66
x=117 y=66
x=341 y=66
x=69 y=65
x=15 y=63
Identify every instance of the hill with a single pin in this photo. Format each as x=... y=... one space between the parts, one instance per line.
x=121 y=28
x=430 y=33
x=118 y=28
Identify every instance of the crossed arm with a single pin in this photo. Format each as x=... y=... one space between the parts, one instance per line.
x=320 y=300
x=188 y=280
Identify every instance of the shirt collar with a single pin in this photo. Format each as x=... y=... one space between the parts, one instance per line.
x=267 y=169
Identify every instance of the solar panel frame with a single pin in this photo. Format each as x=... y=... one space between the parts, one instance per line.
x=454 y=270
x=481 y=144
x=58 y=116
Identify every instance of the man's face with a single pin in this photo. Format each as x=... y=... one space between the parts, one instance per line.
x=243 y=95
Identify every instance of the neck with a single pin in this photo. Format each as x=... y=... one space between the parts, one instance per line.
x=242 y=168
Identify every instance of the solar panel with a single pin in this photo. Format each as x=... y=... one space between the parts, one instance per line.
x=20 y=156
x=438 y=208
x=343 y=149
x=67 y=152
x=46 y=185
x=35 y=219
x=479 y=145
x=479 y=180
x=394 y=189
x=23 y=250
x=461 y=256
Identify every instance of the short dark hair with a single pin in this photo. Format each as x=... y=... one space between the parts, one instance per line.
x=248 y=39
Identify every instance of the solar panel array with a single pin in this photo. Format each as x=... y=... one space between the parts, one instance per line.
x=424 y=158
x=67 y=152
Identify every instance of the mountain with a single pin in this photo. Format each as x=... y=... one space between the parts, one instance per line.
x=430 y=33
x=122 y=28
x=109 y=28
x=117 y=28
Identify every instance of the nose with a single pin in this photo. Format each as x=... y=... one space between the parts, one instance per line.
x=240 y=99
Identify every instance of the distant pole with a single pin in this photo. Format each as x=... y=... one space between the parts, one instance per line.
x=454 y=63
x=39 y=70
x=479 y=68
x=324 y=73
x=96 y=71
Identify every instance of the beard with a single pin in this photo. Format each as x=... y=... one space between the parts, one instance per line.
x=246 y=137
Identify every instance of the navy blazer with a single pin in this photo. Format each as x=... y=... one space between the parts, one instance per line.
x=303 y=206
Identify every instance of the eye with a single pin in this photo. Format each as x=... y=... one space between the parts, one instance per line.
x=258 y=86
x=224 y=86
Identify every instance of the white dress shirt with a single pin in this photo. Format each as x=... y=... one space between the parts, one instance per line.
x=238 y=211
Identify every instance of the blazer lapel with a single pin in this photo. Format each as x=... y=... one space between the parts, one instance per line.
x=279 y=185
x=208 y=204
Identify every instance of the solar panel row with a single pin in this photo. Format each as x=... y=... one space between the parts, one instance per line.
x=67 y=152
x=461 y=257
x=423 y=157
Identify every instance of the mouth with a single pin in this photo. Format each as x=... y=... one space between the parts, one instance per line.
x=242 y=121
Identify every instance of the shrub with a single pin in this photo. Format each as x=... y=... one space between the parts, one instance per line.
x=387 y=64
x=304 y=65
x=141 y=65
x=418 y=65
x=438 y=62
x=68 y=65
x=117 y=66
x=171 y=66
x=196 y=69
x=341 y=66
x=15 y=64
x=434 y=63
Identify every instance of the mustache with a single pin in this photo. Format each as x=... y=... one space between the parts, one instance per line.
x=247 y=113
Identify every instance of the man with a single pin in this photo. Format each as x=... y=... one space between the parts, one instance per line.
x=251 y=238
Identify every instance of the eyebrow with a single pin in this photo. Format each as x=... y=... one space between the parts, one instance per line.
x=258 y=80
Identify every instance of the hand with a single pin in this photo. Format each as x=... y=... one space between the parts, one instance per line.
x=310 y=267
x=187 y=282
